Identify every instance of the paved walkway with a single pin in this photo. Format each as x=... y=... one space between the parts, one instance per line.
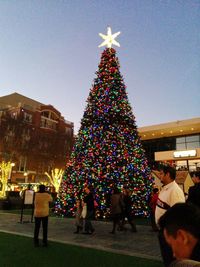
x=143 y=244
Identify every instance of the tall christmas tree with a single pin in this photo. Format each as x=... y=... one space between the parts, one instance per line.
x=107 y=150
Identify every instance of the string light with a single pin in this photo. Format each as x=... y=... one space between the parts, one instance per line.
x=108 y=150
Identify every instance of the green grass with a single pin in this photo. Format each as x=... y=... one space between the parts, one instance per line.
x=19 y=251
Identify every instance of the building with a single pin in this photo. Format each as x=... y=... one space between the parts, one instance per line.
x=34 y=136
x=177 y=143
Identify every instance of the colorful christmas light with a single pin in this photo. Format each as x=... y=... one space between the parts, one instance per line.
x=108 y=150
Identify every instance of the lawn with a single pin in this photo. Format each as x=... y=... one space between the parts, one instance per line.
x=18 y=251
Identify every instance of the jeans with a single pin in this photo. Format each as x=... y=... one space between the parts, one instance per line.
x=88 y=224
x=38 y=221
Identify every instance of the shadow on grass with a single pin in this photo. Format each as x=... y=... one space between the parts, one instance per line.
x=18 y=251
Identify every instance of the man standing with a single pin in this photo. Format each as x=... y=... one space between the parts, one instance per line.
x=170 y=194
x=41 y=214
x=194 y=191
x=89 y=201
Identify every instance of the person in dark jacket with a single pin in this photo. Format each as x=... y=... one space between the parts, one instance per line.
x=194 y=191
x=127 y=210
x=89 y=201
x=116 y=209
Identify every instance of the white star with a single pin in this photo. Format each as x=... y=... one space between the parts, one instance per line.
x=109 y=38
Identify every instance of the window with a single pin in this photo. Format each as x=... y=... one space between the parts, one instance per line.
x=194 y=138
x=188 y=142
x=181 y=165
x=22 y=164
x=180 y=140
x=27 y=117
x=192 y=145
x=45 y=114
x=194 y=165
x=181 y=146
x=50 y=115
x=49 y=120
x=46 y=123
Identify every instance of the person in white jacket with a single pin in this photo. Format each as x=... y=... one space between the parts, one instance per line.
x=170 y=194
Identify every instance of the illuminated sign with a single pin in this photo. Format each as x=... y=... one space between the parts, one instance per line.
x=185 y=153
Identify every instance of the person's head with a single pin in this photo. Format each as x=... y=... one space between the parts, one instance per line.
x=87 y=190
x=196 y=177
x=126 y=192
x=78 y=203
x=116 y=190
x=167 y=174
x=155 y=190
x=181 y=227
x=42 y=188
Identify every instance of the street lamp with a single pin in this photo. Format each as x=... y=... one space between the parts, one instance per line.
x=10 y=173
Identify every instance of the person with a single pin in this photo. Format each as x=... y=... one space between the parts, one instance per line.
x=41 y=214
x=169 y=195
x=127 y=210
x=89 y=201
x=180 y=225
x=152 y=204
x=116 y=209
x=83 y=213
x=78 y=218
x=194 y=191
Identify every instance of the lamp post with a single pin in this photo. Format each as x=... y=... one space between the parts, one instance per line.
x=10 y=173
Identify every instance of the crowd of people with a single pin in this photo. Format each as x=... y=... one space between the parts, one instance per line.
x=175 y=218
x=120 y=211
x=178 y=220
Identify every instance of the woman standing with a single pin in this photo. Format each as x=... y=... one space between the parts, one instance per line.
x=116 y=208
x=127 y=213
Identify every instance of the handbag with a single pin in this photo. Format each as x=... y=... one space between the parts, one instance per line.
x=84 y=211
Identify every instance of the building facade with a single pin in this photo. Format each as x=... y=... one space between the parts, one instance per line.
x=177 y=143
x=34 y=137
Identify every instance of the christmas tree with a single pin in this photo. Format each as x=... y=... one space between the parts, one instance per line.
x=107 y=150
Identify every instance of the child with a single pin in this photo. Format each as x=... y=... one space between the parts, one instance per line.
x=78 y=218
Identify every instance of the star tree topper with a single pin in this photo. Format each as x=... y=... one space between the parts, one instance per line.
x=109 y=38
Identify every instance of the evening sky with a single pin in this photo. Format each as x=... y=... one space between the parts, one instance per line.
x=49 y=52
